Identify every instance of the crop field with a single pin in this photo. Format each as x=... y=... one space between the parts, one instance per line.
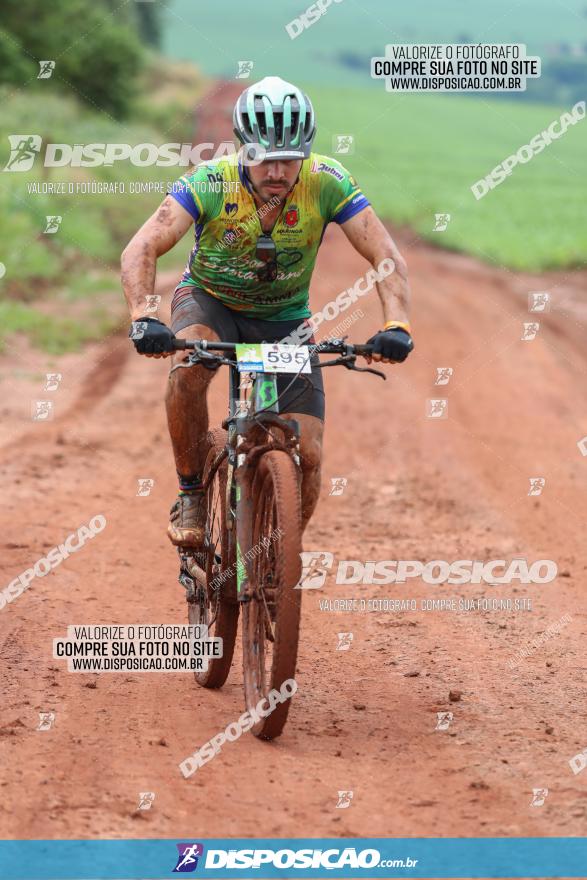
x=336 y=49
x=416 y=156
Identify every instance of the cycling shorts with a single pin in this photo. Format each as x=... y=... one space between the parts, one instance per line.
x=192 y=305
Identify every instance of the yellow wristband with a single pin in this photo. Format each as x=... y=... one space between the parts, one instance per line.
x=403 y=325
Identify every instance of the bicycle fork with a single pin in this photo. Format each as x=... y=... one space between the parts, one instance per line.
x=264 y=398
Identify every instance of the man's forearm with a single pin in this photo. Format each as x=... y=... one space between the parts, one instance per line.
x=138 y=266
x=394 y=293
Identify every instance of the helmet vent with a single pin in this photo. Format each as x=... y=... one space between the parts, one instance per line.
x=278 y=115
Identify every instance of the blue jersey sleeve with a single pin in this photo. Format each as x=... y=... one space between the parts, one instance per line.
x=341 y=197
x=183 y=192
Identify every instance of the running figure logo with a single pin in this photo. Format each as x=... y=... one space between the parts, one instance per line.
x=443 y=375
x=187 y=860
x=345 y=641
x=539 y=301
x=314 y=566
x=338 y=485
x=53 y=380
x=46 y=68
x=146 y=799
x=441 y=222
x=53 y=223
x=530 y=330
x=244 y=69
x=23 y=150
x=153 y=300
x=46 y=719
x=444 y=720
x=437 y=408
x=144 y=487
x=537 y=484
x=343 y=143
x=138 y=329
x=41 y=410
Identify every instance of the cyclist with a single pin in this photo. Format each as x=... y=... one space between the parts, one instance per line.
x=258 y=228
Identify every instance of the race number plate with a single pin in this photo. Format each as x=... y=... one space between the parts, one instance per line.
x=273 y=357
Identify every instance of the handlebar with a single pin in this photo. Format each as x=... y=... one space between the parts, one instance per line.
x=335 y=346
x=347 y=354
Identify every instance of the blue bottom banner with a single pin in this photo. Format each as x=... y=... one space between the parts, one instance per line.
x=225 y=858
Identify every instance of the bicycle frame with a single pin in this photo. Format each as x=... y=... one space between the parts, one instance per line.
x=248 y=417
x=251 y=481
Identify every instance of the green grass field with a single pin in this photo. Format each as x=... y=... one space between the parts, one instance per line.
x=416 y=156
x=79 y=261
x=94 y=225
x=336 y=49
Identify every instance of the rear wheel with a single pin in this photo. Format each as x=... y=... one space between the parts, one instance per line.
x=215 y=605
x=271 y=618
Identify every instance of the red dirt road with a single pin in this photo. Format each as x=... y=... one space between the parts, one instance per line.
x=364 y=719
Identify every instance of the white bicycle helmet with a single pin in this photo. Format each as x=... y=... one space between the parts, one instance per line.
x=278 y=116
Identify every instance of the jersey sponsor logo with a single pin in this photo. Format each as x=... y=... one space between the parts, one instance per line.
x=230 y=234
x=231 y=208
x=251 y=298
x=327 y=169
x=288 y=258
x=292 y=216
x=293 y=233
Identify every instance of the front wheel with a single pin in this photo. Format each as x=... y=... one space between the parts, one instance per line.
x=271 y=617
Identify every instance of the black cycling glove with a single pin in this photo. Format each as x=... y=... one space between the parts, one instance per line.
x=151 y=336
x=394 y=344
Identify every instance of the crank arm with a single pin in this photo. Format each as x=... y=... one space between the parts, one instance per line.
x=191 y=574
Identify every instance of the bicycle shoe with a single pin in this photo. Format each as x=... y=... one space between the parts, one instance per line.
x=187 y=521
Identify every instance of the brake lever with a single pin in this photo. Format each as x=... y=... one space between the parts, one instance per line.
x=199 y=357
x=349 y=361
x=202 y=355
x=367 y=370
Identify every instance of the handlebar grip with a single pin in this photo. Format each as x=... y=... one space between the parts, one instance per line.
x=363 y=349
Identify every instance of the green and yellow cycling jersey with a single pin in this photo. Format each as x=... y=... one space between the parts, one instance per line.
x=227 y=225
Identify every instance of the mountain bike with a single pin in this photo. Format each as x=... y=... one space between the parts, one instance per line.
x=251 y=560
